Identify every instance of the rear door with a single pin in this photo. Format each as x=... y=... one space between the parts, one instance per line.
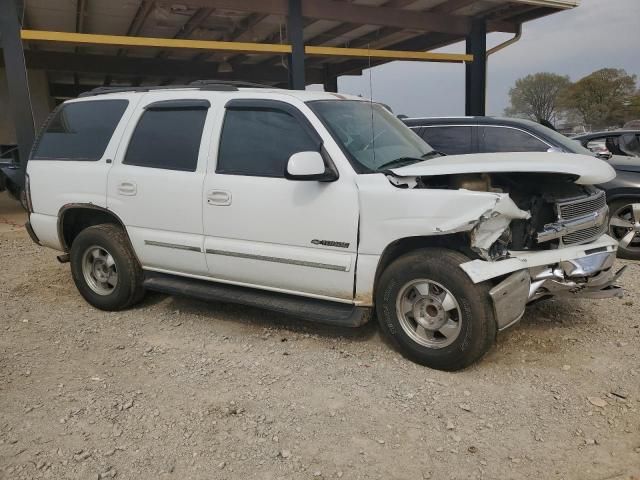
x=72 y=157
x=155 y=185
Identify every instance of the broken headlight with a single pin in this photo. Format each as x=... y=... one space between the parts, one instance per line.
x=500 y=248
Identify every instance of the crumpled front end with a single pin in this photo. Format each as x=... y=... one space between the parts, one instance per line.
x=487 y=237
x=584 y=271
x=533 y=235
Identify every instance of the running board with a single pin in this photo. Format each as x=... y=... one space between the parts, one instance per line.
x=321 y=311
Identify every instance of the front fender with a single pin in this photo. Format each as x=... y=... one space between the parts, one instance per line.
x=389 y=213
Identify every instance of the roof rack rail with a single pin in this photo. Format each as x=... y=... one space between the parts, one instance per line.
x=217 y=86
x=234 y=83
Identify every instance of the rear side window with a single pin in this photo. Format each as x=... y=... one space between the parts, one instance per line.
x=503 y=139
x=79 y=131
x=259 y=142
x=168 y=139
x=450 y=140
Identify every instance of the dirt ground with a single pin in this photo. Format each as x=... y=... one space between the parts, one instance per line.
x=177 y=388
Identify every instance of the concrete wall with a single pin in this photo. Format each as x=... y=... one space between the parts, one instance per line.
x=41 y=103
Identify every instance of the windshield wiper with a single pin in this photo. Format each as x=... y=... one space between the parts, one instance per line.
x=433 y=153
x=402 y=161
x=398 y=162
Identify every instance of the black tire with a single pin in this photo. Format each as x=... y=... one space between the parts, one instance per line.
x=631 y=251
x=128 y=289
x=477 y=328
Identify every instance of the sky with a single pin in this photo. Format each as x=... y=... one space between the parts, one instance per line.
x=596 y=34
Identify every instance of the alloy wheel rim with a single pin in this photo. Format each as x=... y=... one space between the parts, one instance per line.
x=99 y=270
x=429 y=313
x=624 y=226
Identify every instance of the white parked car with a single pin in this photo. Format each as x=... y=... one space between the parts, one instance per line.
x=317 y=204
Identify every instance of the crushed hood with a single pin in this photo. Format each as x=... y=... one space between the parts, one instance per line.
x=589 y=170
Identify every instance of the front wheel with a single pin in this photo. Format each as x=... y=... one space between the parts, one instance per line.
x=431 y=309
x=624 y=226
x=105 y=269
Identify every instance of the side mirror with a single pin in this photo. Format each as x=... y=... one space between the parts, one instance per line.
x=554 y=150
x=310 y=166
x=604 y=155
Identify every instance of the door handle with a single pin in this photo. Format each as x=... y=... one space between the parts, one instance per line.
x=219 y=197
x=127 y=188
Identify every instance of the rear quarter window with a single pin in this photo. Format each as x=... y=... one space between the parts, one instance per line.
x=79 y=131
x=497 y=139
x=449 y=139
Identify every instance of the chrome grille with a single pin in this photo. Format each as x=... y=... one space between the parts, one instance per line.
x=581 y=207
x=585 y=235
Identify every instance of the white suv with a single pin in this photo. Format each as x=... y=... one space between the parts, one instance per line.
x=316 y=204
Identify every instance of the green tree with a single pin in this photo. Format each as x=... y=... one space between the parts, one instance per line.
x=537 y=96
x=632 y=116
x=602 y=98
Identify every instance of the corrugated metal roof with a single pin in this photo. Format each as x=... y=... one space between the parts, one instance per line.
x=197 y=19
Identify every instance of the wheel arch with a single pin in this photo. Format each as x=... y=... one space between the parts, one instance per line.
x=454 y=241
x=75 y=217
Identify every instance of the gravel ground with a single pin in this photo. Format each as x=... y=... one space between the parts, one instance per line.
x=177 y=388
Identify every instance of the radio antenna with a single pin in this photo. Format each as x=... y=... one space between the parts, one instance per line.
x=373 y=133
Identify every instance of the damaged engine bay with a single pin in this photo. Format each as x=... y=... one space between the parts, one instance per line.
x=546 y=211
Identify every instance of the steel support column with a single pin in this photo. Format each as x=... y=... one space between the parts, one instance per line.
x=295 y=38
x=476 y=71
x=17 y=81
x=330 y=83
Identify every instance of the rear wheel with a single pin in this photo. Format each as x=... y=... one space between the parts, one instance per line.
x=431 y=309
x=624 y=226
x=105 y=269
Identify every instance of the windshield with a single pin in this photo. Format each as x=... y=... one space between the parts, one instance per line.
x=370 y=135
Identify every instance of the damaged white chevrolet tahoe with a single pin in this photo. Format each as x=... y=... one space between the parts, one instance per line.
x=314 y=204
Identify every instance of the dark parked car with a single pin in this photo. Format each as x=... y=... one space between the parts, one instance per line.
x=10 y=172
x=462 y=135
x=615 y=142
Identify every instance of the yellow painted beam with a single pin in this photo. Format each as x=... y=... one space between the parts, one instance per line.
x=237 y=47
x=390 y=54
x=127 y=41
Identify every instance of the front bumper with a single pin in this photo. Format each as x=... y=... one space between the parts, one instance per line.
x=571 y=272
x=592 y=276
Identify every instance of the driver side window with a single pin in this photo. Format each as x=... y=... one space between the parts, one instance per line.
x=259 y=142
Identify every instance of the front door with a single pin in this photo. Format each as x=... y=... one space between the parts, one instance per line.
x=266 y=231
x=155 y=185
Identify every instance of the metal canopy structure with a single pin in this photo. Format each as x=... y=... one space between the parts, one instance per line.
x=81 y=44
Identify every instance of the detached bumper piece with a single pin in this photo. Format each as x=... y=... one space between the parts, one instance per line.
x=591 y=276
x=510 y=298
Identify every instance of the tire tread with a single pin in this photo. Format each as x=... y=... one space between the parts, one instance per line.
x=132 y=269
x=440 y=259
